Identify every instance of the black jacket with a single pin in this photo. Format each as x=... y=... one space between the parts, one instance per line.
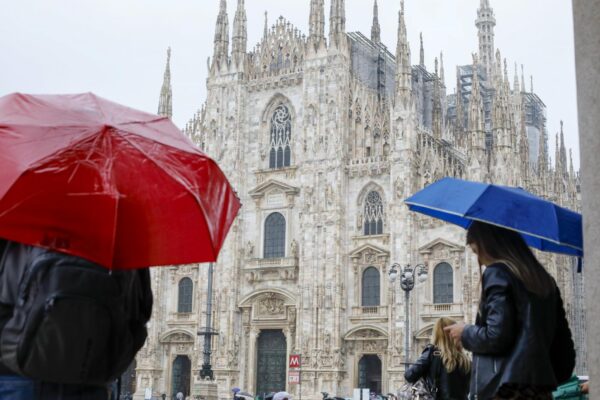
x=518 y=337
x=451 y=385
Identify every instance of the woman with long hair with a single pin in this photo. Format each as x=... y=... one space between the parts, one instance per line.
x=521 y=342
x=443 y=364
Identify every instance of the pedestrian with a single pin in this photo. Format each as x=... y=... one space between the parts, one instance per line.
x=68 y=326
x=521 y=341
x=179 y=396
x=443 y=364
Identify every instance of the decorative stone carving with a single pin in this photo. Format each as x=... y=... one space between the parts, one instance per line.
x=249 y=249
x=399 y=188
x=271 y=305
x=370 y=345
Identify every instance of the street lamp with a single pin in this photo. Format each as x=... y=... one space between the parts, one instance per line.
x=207 y=331
x=407 y=283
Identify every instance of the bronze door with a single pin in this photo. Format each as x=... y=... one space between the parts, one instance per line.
x=270 y=362
x=369 y=373
x=181 y=376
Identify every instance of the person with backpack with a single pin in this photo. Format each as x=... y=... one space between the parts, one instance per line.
x=521 y=342
x=68 y=327
x=443 y=365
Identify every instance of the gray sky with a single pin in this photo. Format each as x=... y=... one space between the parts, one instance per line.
x=117 y=48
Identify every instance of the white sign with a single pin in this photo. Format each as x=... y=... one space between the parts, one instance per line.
x=148 y=394
x=294 y=377
x=356 y=394
x=366 y=394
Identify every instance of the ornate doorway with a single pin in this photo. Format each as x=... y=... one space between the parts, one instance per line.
x=180 y=382
x=271 y=362
x=369 y=373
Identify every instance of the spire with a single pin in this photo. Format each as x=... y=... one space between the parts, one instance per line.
x=337 y=21
x=403 y=65
x=523 y=88
x=571 y=169
x=375 y=28
x=442 y=77
x=240 y=33
x=531 y=77
x=485 y=23
x=317 y=21
x=542 y=156
x=422 y=53
x=221 y=41
x=266 y=29
x=165 y=102
x=516 y=87
x=557 y=158
x=563 y=150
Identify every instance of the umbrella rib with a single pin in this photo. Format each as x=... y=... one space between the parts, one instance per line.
x=182 y=184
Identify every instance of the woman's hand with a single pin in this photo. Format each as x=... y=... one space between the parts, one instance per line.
x=455 y=331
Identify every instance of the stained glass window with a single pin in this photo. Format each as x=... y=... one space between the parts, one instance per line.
x=443 y=284
x=186 y=289
x=281 y=132
x=274 y=236
x=370 y=287
x=373 y=222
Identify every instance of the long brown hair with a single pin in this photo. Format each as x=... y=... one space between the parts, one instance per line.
x=453 y=355
x=508 y=247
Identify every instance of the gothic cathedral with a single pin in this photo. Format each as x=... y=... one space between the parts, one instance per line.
x=323 y=137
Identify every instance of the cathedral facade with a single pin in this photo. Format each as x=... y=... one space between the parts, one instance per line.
x=323 y=136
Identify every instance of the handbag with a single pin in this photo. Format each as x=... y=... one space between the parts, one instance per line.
x=418 y=390
x=423 y=389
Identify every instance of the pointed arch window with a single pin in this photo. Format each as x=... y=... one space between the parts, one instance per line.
x=281 y=133
x=371 y=283
x=185 y=295
x=373 y=223
x=274 y=236
x=443 y=285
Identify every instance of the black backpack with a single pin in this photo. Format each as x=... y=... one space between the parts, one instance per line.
x=72 y=321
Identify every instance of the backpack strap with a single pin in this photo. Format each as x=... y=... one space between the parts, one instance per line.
x=435 y=363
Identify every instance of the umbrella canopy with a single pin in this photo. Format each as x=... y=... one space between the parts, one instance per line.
x=126 y=189
x=543 y=224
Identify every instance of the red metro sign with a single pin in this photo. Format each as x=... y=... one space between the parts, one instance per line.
x=294 y=360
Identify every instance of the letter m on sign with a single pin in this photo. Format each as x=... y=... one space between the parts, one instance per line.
x=294 y=360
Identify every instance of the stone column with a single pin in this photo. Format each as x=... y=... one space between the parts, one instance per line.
x=288 y=344
x=251 y=383
x=587 y=52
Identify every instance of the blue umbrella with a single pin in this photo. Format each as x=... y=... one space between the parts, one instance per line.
x=543 y=224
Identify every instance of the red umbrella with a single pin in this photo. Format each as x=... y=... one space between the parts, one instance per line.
x=120 y=187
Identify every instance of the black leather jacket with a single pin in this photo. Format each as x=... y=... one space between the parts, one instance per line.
x=518 y=337
x=451 y=385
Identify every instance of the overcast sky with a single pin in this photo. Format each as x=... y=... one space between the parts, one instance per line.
x=117 y=48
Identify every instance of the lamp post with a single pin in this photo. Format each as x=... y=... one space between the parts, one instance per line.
x=207 y=331
x=407 y=283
